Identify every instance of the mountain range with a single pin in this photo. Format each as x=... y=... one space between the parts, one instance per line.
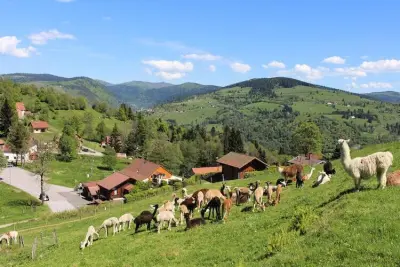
x=141 y=94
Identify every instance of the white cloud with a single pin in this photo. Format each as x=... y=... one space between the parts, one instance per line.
x=169 y=66
x=169 y=70
x=65 y=1
x=212 y=68
x=351 y=72
x=42 y=37
x=239 y=67
x=335 y=60
x=8 y=46
x=207 y=57
x=376 y=85
x=386 y=65
x=308 y=72
x=148 y=71
x=170 y=75
x=274 y=64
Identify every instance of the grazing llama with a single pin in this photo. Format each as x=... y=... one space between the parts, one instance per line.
x=244 y=193
x=127 y=218
x=213 y=205
x=110 y=222
x=278 y=195
x=393 y=178
x=6 y=238
x=145 y=217
x=365 y=167
x=258 y=197
x=191 y=223
x=328 y=168
x=89 y=237
x=165 y=216
x=187 y=206
x=289 y=172
x=13 y=235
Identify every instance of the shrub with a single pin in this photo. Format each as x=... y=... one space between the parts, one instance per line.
x=142 y=186
x=277 y=242
x=163 y=183
x=190 y=181
x=134 y=196
x=303 y=217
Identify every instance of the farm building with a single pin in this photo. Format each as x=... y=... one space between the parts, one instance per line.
x=106 y=141
x=235 y=165
x=90 y=190
x=212 y=174
x=12 y=157
x=145 y=171
x=39 y=126
x=114 y=186
x=20 y=107
x=310 y=159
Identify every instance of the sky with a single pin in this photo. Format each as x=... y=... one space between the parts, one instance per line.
x=345 y=44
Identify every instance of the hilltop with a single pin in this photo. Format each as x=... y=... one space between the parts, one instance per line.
x=267 y=110
x=388 y=96
x=324 y=226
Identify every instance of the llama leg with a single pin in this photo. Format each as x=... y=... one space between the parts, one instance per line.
x=136 y=228
x=383 y=179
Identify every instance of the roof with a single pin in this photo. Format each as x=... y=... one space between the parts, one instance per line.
x=140 y=169
x=206 y=170
x=304 y=160
x=113 y=180
x=237 y=160
x=20 y=106
x=39 y=124
x=93 y=190
x=91 y=183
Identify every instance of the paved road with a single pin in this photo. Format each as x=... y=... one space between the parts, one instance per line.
x=61 y=198
x=90 y=152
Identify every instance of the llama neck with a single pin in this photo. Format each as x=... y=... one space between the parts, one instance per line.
x=155 y=211
x=345 y=156
x=311 y=172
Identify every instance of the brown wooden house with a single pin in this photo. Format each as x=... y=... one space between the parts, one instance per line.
x=90 y=190
x=235 y=165
x=146 y=171
x=115 y=186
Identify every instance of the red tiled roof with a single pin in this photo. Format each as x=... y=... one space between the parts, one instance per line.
x=6 y=149
x=237 y=160
x=206 y=170
x=93 y=190
x=91 y=183
x=20 y=106
x=128 y=187
x=140 y=169
x=113 y=180
x=39 y=124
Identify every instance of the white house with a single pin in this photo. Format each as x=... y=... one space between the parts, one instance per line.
x=12 y=157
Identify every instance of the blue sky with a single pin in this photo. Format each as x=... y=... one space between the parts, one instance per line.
x=347 y=44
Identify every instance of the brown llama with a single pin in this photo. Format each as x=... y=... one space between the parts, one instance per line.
x=393 y=178
x=289 y=172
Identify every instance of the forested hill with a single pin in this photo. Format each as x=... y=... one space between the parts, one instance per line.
x=145 y=94
x=388 y=96
x=92 y=90
x=269 y=110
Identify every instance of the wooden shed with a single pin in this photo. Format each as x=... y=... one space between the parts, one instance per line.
x=235 y=165
x=115 y=186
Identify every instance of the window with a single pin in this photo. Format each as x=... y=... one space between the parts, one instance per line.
x=115 y=192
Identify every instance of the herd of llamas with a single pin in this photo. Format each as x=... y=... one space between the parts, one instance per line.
x=213 y=200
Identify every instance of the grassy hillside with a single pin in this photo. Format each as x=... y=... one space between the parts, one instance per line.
x=145 y=94
x=388 y=96
x=92 y=90
x=324 y=226
x=15 y=205
x=268 y=110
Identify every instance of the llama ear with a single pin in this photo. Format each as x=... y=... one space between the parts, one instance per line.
x=348 y=140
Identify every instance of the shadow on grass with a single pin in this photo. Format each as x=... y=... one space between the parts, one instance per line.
x=341 y=194
x=102 y=168
x=247 y=209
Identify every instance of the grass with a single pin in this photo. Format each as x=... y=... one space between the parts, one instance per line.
x=71 y=173
x=324 y=226
x=15 y=205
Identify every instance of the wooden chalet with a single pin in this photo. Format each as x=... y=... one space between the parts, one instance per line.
x=90 y=190
x=310 y=159
x=115 y=186
x=146 y=171
x=235 y=165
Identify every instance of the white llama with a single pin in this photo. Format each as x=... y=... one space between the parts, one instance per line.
x=127 y=218
x=6 y=238
x=110 y=222
x=89 y=237
x=365 y=167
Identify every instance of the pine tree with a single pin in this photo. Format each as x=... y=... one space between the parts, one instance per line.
x=7 y=116
x=129 y=113
x=116 y=139
x=213 y=132
x=130 y=145
x=109 y=158
x=122 y=113
x=226 y=140
x=101 y=131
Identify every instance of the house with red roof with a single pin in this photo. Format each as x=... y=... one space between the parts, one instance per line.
x=106 y=141
x=120 y=183
x=235 y=165
x=20 y=107
x=13 y=157
x=39 y=126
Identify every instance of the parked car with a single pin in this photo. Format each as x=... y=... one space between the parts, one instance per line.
x=10 y=164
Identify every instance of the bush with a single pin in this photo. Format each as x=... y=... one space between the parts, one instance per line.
x=277 y=242
x=142 y=186
x=190 y=181
x=303 y=217
x=135 y=196
x=163 y=183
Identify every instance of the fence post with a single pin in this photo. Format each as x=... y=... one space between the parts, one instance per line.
x=21 y=241
x=34 y=246
x=41 y=238
x=55 y=237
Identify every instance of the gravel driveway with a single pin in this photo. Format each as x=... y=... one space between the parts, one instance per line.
x=61 y=198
